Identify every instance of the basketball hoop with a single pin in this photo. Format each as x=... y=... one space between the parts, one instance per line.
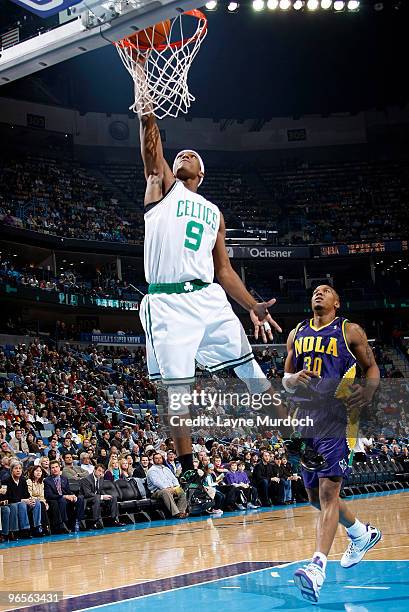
x=158 y=60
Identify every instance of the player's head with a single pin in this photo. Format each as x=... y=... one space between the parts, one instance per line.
x=188 y=165
x=325 y=299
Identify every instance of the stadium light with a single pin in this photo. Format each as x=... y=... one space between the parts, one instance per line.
x=326 y=4
x=211 y=5
x=298 y=4
x=285 y=5
x=353 y=5
x=258 y=5
x=339 y=5
x=312 y=5
x=232 y=7
x=272 y=5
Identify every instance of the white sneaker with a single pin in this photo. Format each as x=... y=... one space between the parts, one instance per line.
x=240 y=507
x=215 y=511
x=309 y=579
x=358 y=547
x=252 y=506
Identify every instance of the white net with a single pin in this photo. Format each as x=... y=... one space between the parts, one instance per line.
x=158 y=59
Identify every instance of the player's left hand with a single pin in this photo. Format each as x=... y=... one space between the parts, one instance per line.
x=263 y=321
x=359 y=398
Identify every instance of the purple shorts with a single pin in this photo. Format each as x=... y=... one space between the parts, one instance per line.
x=336 y=453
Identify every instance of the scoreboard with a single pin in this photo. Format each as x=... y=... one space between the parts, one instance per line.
x=361 y=248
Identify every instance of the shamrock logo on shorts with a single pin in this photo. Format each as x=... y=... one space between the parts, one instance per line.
x=188 y=286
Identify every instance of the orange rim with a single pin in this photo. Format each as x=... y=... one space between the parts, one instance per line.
x=200 y=32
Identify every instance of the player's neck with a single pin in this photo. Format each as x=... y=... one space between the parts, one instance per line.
x=321 y=319
x=191 y=184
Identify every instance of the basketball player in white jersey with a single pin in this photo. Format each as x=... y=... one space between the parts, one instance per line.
x=186 y=316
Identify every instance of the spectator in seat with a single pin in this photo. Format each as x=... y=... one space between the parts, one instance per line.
x=218 y=467
x=18 y=443
x=91 y=487
x=41 y=447
x=210 y=483
x=164 y=485
x=35 y=486
x=21 y=503
x=53 y=447
x=142 y=467
x=32 y=443
x=6 y=451
x=117 y=440
x=105 y=441
x=297 y=487
x=66 y=509
x=284 y=491
x=238 y=485
x=266 y=480
x=71 y=471
x=172 y=463
x=45 y=464
x=113 y=472
x=4 y=515
x=130 y=468
x=85 y=463
x=4 y=468
x=103 y=457
x=123 y=468
x=68 y=446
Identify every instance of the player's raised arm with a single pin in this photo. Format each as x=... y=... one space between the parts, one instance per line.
x=234 y=287
x=358 y=343
x=159 y=177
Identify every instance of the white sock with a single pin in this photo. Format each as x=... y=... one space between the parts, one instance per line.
x=320 y=559
x=356 y=530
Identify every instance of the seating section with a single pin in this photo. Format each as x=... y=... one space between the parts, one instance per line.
x=305 y=203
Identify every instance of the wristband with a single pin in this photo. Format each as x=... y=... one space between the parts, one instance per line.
x=286 y=386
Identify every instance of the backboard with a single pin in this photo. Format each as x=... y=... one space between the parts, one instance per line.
x=85 y=26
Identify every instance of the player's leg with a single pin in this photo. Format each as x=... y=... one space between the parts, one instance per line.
x=174 y=330
x=346 y=517
x=362 y=536
x=181 y=434
x=310 y=578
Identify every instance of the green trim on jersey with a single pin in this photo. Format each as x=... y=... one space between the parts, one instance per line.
x=231 y=363
x=185 y=287
x=176 y=381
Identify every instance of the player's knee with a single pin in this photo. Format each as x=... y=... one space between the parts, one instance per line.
x=329 y=492
x=179 y=400
x=314 y=498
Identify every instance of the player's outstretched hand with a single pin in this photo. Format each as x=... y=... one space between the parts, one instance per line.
x=263 y=321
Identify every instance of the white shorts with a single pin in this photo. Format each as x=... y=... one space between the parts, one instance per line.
x=183 y=327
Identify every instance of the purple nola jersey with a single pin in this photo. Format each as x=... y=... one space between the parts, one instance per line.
x=325 y=351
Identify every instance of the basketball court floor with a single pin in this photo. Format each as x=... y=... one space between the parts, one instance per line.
x=240 y=561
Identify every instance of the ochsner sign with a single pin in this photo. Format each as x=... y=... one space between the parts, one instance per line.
x=268 y=252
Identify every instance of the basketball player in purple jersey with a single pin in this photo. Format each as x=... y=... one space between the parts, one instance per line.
x=319 y=371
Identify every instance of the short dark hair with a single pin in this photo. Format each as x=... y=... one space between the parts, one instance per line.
x=100 y=465
x=54 y=461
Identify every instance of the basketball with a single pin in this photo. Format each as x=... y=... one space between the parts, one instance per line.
x=153 y=36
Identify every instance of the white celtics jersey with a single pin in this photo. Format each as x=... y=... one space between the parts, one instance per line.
x=180 y=233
